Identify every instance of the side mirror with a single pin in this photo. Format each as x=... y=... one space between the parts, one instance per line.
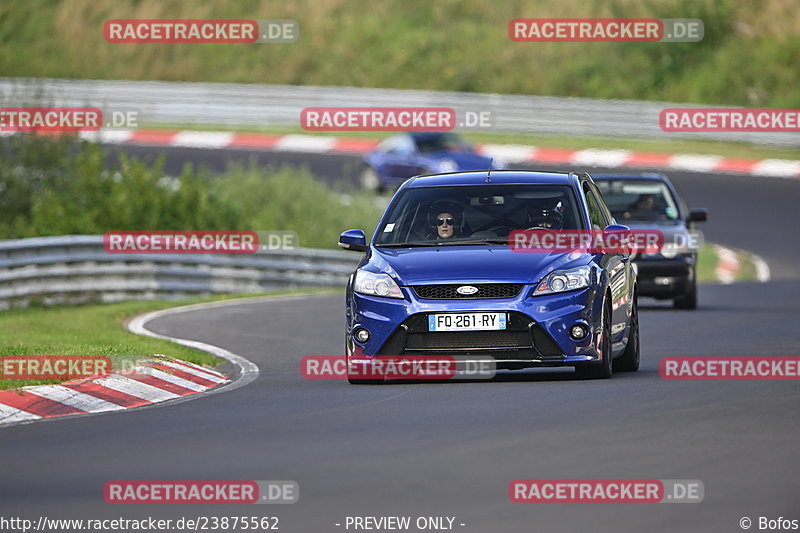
x=698 y=215
x=353 y=239
x=622 y=234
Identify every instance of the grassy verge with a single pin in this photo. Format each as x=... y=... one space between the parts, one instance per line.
x=744 y=58
x=62 y=186
x=90 y=330
x=572 y=142
x=707 y=264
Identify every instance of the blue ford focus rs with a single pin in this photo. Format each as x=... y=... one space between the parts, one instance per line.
x=439 y=277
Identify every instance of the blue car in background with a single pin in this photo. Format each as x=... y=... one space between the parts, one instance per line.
x=399 y=157
x=649 y=201
x=439 y=277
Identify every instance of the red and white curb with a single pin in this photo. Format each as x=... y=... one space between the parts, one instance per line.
x=156 y=380
x=506 y=153
x=729 y=266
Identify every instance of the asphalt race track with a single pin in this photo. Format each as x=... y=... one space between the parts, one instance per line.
x=451 y=449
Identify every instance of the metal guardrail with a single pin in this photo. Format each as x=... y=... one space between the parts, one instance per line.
x=280 y=105
x=77 y=269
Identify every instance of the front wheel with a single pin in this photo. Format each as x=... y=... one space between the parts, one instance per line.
x=688 y=300
x=603 y=369
x=629 y=361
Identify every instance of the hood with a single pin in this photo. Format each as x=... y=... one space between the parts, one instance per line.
x=469 y=264
x=669 y=228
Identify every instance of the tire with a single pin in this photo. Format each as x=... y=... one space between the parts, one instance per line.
x=688 y=300
x=629 y=360
x=600 y=370
x=369 y=180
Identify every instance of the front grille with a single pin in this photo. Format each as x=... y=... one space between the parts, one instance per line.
x=444 y=340
x=522 y=340
x=485 y=290
x=544 y=343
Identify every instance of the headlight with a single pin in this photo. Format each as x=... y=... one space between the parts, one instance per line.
x=447 y=165
x=565 y=280
x=670 y=250
x=376 y=285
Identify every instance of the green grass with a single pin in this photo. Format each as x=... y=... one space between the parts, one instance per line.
x=747 y=57
x=92 y=330
x=62 y=186
x=572 y=142
x=707 y=264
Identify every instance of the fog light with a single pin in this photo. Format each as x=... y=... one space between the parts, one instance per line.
x=578 y=331
x=663 y=281
x=362 y=335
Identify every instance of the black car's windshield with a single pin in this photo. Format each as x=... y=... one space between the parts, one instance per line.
x=638 y=200
x=482 y=214
x=444 y=142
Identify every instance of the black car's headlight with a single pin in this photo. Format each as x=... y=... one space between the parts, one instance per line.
x=376 y=285
x=565 y=280
x=667 y=251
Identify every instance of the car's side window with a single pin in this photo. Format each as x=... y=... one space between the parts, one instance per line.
x=387 y=144
x=403 y=145
x=595 y=213
x=607 y=216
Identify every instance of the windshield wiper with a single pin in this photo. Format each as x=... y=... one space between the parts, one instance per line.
x=405 y=244
x=492 y=240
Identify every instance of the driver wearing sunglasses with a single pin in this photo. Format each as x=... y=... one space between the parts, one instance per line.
x=445 y=225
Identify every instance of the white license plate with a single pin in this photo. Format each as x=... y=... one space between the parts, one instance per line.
x=466 y=321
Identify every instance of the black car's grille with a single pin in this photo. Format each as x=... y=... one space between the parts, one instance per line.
x=522 y=339
x=485 y=290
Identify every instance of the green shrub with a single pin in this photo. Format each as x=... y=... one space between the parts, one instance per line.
x=64 y=186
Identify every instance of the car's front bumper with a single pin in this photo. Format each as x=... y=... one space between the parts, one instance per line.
x=665 y=278
x=537 y=333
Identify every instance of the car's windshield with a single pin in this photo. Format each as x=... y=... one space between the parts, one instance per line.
x=639 y=200
x=445 y=142
x=478 y=214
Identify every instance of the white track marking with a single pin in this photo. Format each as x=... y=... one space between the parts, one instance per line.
x=136 y=388
x=203 y=139
x=73 y=398
x=164 y=376
x=10 y=414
